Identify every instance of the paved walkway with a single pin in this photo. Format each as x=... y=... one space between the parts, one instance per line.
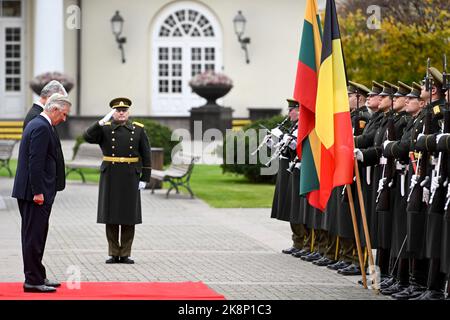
x=234 y=251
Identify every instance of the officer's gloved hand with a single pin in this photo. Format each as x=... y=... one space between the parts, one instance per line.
x=441 y=135
x=106 y=118
x=434 y=184
x=381 y=184
x=276 y=132
x=270 y=143
x=425 y=194
x=142 y=185
x=358 y=155
x=286 y=138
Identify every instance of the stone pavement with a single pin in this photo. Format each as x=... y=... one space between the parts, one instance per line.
x=236 y=252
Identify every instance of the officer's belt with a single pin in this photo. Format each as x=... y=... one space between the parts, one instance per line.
x=120 y=159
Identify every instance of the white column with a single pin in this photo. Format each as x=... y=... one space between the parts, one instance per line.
x=48 y=36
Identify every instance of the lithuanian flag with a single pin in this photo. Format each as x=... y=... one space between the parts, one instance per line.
x=333 y=124
x=308 y=144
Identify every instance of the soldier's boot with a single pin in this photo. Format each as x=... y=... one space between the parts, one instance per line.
x=417 y=281
x=398 y=283
x=435 y=283
x=329 y=254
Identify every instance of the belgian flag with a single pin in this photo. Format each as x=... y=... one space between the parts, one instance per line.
x=332 y=123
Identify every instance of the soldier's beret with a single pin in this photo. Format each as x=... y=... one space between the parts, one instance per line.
x=120 y=103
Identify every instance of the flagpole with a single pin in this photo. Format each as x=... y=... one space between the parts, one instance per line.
x=356 y=231
x=365 y=226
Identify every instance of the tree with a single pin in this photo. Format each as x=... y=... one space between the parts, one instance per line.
x=411 y=31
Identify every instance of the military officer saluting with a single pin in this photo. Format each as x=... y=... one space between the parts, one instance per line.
x=125 y=170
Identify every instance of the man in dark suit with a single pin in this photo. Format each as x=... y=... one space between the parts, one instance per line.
x=35 y=188
x=38 y=106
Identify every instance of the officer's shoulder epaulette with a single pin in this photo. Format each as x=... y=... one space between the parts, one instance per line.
x=108 y=123
x=138 y=124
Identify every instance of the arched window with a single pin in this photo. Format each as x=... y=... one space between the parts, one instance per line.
x=186 y=40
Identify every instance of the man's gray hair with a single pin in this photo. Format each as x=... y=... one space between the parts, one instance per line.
x=52 y=87
x=57 y=101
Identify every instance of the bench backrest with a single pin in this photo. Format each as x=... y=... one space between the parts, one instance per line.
x=87 y=151
x=182 y=163
x=6 y=149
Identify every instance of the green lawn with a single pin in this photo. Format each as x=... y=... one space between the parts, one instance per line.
x=209 y=184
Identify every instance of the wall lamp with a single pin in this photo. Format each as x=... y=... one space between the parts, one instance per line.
x=117 y=26
x=239 y=22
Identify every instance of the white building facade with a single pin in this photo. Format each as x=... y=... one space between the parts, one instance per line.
x=167 y=43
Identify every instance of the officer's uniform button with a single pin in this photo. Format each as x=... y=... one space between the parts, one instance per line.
x=113 y=155
x=131 y=139
x=129 y=155
x=132 y=132
x=134 y=127
x=112 y=132
x=113 y=147
x=113 y=139
x=131 y=147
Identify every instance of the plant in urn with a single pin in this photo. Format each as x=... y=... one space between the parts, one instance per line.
x=211 y=86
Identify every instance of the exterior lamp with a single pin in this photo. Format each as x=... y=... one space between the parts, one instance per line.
x=239 y=22
x=117 y=26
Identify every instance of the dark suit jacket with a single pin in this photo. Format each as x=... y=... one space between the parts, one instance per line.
x=61 y=172
x=37 y=162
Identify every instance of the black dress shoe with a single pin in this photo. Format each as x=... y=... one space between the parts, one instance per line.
x=113 y=259
x=38 y=289
x=413 y=291
x=291 y=250
x=301 y=253
x=388 y=282
x=312 y=257
x=338 y=265
x=324 y=262
x=53 y=284
x=126 y=260
x=351 y=270
x=395 y=288
x=430 y=295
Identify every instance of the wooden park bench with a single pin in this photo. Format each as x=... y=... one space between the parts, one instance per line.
x=178 y=174
x=88 y=156
x=6 y=150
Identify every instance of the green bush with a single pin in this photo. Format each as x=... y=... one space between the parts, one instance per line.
x=250 y=171
x=159 y=136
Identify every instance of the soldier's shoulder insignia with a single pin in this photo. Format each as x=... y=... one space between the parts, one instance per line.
x=108 y=123
x=436 y=110
x=138 y=124
x=362 y=124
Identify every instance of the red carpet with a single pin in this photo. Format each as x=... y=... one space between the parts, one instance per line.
x=116 y=291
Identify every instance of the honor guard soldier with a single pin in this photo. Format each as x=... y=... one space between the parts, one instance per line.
x=125 y=170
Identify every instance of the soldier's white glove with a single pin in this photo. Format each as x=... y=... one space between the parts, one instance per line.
x=414 y=180
x=385 y=143
x=106 y=118
x=276 y=132
x=448 y=191
x=434 y=184
x=441 y=135
x=142 y=185
x=358 y=155
x=425 y=195
x=381 y=184
x=269 y=143
x=286 y=138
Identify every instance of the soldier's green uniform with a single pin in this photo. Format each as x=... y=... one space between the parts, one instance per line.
x=126 y=162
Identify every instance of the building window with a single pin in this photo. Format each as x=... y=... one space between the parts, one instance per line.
x=12 y=59
x=11 y=8
x=186 y=40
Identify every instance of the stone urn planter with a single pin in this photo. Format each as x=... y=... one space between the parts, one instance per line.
x=211 y=86
x=41 y=80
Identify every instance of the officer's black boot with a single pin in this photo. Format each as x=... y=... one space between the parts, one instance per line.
x=417 y=282
x=436 y=283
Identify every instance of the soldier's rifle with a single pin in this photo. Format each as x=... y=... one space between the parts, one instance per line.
x=269 y=134
x=415 y=196
x=282 y=145
x=441 y=170
x=383 y=197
